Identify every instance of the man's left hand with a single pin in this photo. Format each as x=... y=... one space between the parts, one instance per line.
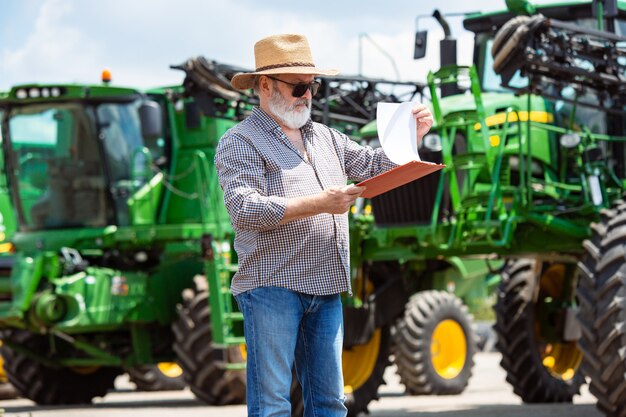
x=423 y=120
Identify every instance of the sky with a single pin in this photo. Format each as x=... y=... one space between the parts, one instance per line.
x=66 y=41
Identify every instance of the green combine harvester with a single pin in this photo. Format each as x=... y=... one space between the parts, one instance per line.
x=100 y=299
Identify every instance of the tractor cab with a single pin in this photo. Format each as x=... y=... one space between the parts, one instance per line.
x=573 y=108
x=75 y=156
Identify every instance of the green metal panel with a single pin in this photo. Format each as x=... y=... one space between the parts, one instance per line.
x=101 y=298
x=194 y=195
x=178 y=267
x=143 y=204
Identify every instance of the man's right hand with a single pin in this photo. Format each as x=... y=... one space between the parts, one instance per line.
x=338 y=200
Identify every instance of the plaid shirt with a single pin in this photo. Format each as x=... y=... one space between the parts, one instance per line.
x=259 y=170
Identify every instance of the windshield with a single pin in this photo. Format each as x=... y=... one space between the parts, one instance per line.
x=130 y=157
x=77 y=164
x=56 y=166
x=491 y=81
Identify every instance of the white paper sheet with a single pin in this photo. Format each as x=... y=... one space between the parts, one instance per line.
x=397 y=131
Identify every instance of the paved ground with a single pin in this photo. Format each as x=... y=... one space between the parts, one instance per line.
x=488 y=395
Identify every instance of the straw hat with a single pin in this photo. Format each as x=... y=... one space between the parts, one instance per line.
x=280 y=54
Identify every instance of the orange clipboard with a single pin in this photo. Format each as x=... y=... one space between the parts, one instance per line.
x=397 y=177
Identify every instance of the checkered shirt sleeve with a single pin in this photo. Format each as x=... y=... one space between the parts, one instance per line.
x=259 y=170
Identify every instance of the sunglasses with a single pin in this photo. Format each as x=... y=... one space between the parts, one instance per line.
x=299 y=89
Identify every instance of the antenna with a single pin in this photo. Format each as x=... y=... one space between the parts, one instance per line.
x=363 y=35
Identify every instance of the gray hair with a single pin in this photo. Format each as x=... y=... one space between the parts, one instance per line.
x=255 y=85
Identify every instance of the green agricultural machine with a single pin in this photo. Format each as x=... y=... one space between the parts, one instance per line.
x=532 y=136
x=103 y=249
x=586 y=68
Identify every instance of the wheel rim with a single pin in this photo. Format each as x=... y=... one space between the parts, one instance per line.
x=448 y=349
x=560 y=359
x=359 y=361
x=170 y=369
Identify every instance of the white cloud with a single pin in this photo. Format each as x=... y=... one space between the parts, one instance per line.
x=73 y=40
x=55 y=50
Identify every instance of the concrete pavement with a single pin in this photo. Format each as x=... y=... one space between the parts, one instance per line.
x=488 y=395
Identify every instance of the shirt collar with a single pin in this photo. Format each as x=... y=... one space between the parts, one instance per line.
x=266 y=121
x=307 y=130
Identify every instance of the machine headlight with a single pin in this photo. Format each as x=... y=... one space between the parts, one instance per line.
x=432 y=142
x=570 y=140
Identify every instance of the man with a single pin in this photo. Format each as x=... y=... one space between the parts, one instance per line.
x=284 y=180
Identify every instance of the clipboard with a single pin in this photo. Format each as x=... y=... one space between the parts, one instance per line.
x=397 y=177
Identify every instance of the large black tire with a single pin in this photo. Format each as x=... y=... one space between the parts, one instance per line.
x=52 y=386
x=601 y=292
x=434 y=344
x=161 y=377
x=539 y=371
x=363 y=370
x=204 y=365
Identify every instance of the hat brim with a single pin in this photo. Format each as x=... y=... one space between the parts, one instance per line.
x=245 y=80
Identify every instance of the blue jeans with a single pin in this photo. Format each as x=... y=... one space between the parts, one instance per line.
x=283 y=327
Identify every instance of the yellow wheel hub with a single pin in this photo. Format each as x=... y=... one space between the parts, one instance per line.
x=448 y=349
x=170 y=369
x=560 y=359
x=358 y=363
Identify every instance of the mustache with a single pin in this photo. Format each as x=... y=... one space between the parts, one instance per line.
x=300 y=101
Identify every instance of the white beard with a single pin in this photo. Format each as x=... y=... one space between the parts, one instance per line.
x=293 y=116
